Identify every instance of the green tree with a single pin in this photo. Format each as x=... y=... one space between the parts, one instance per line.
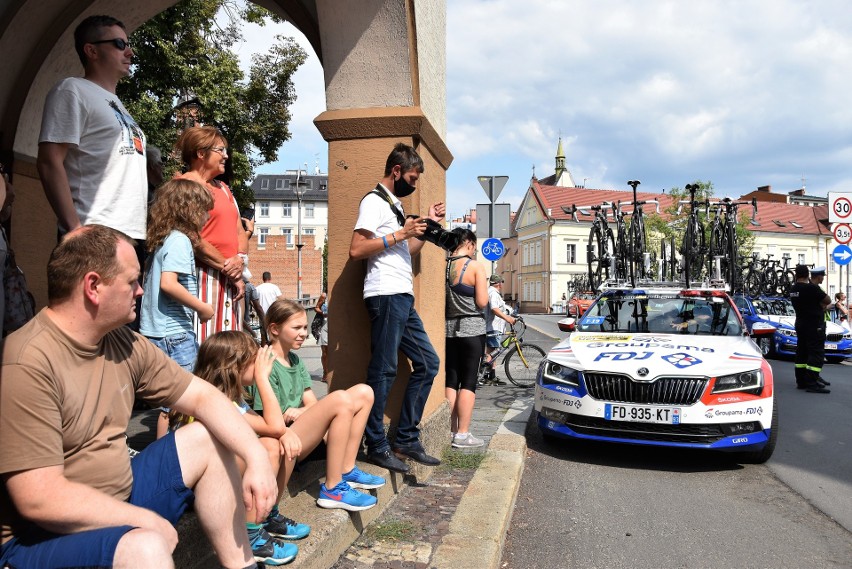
x=186 y=52
x=672 y=222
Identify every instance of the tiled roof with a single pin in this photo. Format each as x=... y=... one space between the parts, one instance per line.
x=811 y=220
x=554 y=197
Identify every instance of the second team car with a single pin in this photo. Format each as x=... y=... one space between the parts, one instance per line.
x=664 y=367
x=579 y=303
x=779 y=312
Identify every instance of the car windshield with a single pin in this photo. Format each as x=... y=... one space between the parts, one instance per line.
x=774 y=306
x=660 y=314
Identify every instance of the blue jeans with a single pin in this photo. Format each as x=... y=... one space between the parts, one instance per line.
x=182 y=348
x=396 y=326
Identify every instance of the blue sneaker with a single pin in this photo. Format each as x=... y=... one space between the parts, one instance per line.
x=357 y=478
x=344 y=497
x=284 y=527
x=270 y=551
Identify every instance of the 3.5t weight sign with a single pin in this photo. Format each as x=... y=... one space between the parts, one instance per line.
x=840 y=207
x=842 y=233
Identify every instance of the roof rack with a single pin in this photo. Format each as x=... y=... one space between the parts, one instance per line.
x=680 y=285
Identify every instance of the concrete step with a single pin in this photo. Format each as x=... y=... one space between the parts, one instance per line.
x=332 y=531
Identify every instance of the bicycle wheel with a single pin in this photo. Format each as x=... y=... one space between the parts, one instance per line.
x=785 y=281
x=522 y=369
x=693 y=247
x=752 y=282
x=597 y=256
x=637 y=245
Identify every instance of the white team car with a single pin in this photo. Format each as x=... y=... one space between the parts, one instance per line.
x=663 y=367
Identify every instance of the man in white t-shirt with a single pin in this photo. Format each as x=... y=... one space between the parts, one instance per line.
x=387 y=239
x=91 y=155
x=495 y=320
x=268 y=292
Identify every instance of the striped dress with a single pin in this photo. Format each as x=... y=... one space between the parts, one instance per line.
x=213 y=286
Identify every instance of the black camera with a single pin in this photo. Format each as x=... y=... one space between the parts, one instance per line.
x=437 y=235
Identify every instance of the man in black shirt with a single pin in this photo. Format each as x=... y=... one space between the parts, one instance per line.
x=810 y=302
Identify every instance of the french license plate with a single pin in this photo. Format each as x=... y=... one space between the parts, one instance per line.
x=831 y=346
x=642 y=414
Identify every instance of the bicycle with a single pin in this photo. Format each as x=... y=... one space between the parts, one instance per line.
x=724 y=244
x=521 y=361
x=694 y=248
x=601 y=243
x=637 y=238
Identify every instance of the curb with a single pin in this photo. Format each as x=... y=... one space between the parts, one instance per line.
x=478 y=528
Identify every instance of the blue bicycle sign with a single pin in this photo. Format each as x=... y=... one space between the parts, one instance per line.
x=493 y=249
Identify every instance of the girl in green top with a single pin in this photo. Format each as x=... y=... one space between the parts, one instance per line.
x=339 y=417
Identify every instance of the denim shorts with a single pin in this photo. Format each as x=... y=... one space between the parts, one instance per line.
x=157 y=485
x=492 y=341
x=182 y=348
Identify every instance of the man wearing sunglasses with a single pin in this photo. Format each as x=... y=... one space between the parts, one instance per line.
x=91 y=156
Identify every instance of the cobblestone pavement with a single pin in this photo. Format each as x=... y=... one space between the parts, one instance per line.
x=421 y=513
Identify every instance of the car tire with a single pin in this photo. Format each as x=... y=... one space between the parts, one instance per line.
x=761 y=456
x=767 y=346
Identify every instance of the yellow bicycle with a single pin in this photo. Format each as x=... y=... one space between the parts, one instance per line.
x=521 y=360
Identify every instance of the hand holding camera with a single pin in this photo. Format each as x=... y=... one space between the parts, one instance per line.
x=415 y=226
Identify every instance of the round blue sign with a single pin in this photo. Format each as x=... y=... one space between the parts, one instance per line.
x=493 y=249
x=842 y=255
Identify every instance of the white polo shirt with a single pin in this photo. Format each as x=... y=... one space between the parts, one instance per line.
x=389 y=271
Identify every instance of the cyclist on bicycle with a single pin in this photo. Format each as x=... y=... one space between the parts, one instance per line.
x=495 y=323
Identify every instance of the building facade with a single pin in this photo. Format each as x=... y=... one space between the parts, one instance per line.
x=284 y=204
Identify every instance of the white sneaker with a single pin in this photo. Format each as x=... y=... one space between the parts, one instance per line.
x=466 y=440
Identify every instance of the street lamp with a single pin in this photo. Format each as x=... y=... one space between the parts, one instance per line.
x=299 y=189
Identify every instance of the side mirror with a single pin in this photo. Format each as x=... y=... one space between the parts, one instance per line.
x=567 y=324
x=762 y=329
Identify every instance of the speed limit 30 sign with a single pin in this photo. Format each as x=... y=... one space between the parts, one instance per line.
x=839 y=207
x=842 y=233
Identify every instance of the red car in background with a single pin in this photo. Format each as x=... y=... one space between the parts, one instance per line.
x=579 y=303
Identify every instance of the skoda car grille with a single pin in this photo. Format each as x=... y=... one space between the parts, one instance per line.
x=661 y=391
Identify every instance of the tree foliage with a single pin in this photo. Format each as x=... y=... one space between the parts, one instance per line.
x=674 y=223
x=187 y=52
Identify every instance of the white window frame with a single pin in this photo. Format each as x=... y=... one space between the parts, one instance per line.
x=309 y=210
x=571 y=253
x=287 y=209
x=264 y=209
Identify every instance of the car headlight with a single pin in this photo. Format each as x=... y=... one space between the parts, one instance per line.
x=748 y=381
x=553 y=372
x=787 y=332
x=847 y=336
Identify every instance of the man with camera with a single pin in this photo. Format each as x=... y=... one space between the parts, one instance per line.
x=383 y=236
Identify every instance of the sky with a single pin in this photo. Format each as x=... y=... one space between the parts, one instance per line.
x=739 y=93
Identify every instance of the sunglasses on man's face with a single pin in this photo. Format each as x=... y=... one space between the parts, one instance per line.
x=117 y=42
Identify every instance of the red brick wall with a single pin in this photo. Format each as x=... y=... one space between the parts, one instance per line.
x=282 y=261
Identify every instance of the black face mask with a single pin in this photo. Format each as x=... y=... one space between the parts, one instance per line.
x=401 y=188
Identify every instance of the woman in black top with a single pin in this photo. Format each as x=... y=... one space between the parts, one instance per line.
x=466 y=297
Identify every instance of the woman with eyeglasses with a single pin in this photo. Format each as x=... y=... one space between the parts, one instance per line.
x=220 y=255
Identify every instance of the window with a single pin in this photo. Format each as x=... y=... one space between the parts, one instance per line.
x=801 y=258
x=537 y=260
x=279 y=183
x=526 y=291
x=264 y=183
x=289 y=233
x=309 y=231
x=571 y=253
x=261 y=236
x=831 y=291
x=287 y=209
x=796 y=225
x=309 y=210
x=264 y=209
x=526 y=257
x=831 y=265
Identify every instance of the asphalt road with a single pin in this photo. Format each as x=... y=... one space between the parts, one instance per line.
x=611 y=506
